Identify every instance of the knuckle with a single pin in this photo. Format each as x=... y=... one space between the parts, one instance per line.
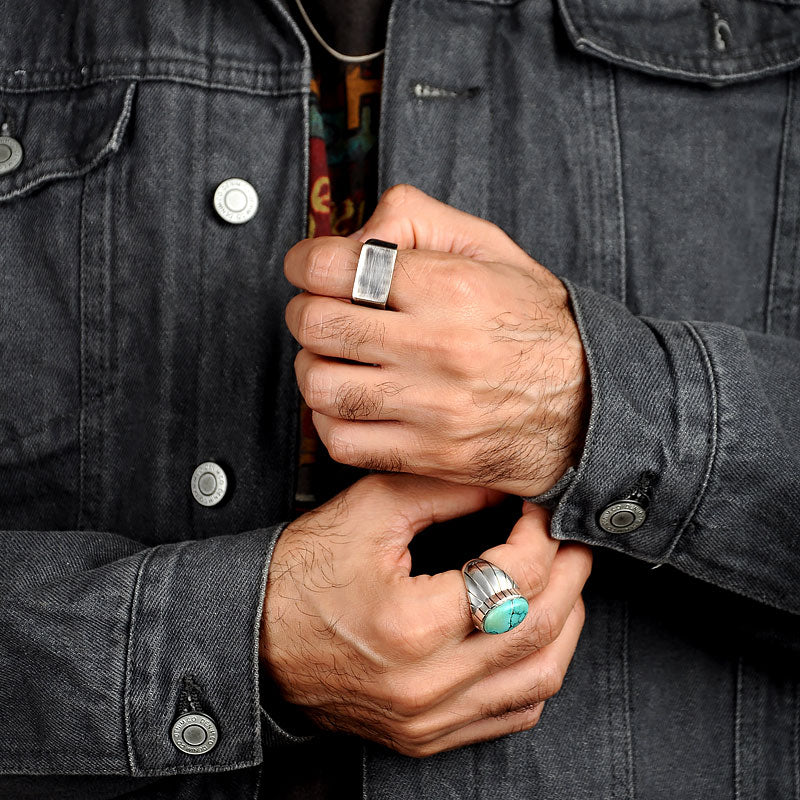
x=515 y=649
x=531 y=577
x=534 y=578
x=355 y=401
x=413 y=732
x=462 y=355
x=320 y=264
x=546 y=626
x=462 y=282
x=551 y=679
x=341 y=447
x=527 y=718
x=399 y=194
x=409 y=703
x=315 y=386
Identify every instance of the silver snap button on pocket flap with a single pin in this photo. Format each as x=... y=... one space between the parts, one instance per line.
x=209 y=483
x=194 y=734
x=10 y=154
x=236 y=201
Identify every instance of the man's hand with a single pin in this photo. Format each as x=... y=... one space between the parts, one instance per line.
x=477 y=375
x=364 y=648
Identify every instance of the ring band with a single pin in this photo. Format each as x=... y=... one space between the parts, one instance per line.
x=374 y=273
x=495 y=601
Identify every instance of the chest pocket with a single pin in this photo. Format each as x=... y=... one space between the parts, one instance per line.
x=703 y=101
x=54 y=262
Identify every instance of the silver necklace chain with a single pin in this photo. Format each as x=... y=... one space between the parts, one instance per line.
x=335 y=53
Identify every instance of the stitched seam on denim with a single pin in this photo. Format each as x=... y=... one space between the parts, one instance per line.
x=792 y=283
x=103 y=299
x=626 y=688
x=261 y=599
x=779 y=211
x=595 y=166
x=596 y=401
x=488 y=194
x=111 y=146
x=42 y=768
x=610 y=705
x=388 y=62
x=714 y=425
x=200 y=353
x=364 y=793
x=616 y=144
x=737 y=733
x=126 y=694
x=53 y=67
x=93 y=337
x=153 y=78
x=201 y=60
x=82 y=370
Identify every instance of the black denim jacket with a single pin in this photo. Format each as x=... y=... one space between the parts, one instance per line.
x=647 y=151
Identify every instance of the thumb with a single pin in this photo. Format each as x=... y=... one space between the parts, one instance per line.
x=396 y=507
x=415 y=220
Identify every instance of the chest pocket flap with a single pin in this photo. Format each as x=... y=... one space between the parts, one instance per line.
x=711 y=42
x=63 y=134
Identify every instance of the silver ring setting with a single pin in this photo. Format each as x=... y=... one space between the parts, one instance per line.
x=494 y=598
x=374 y=273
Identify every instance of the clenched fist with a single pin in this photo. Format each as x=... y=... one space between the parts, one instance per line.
x=362 y=647
x=475 y=375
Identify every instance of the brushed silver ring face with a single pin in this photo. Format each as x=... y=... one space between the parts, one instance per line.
x=374 y=273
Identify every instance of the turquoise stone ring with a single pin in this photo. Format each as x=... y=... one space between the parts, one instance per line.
x=494 y=599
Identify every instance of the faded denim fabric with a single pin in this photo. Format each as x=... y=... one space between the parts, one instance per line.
x=647 y=151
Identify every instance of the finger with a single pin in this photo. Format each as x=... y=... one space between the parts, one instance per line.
x=527 y=555
x=545 y=620
x=384 y=445
x=485 y=730
x=332 y=327
x=437 y=609
x=415 y=220
x=351 y=391
x=326 y=265
x=417 y=502
x=518 y=687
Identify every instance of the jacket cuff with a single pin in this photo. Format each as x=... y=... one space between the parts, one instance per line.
x=194 y=638
x=651 y=424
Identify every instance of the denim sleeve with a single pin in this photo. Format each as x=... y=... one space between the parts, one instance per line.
x=711 y=414
x=99 y=636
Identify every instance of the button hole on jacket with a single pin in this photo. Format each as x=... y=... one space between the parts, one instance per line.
x=425 y=91
x=189 y=696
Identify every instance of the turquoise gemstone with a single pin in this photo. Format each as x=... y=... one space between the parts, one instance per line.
x=506 y=616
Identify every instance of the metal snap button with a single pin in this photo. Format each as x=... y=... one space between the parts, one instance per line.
x=623 y=516
x=236 y=201
x=10 y=154
x=209 y=483
x=194 y=734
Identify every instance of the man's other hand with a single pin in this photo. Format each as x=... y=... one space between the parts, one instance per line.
x=477 y=375
x=364 y=648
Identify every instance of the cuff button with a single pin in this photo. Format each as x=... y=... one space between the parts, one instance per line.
x=622 y=517
x=195 y=734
